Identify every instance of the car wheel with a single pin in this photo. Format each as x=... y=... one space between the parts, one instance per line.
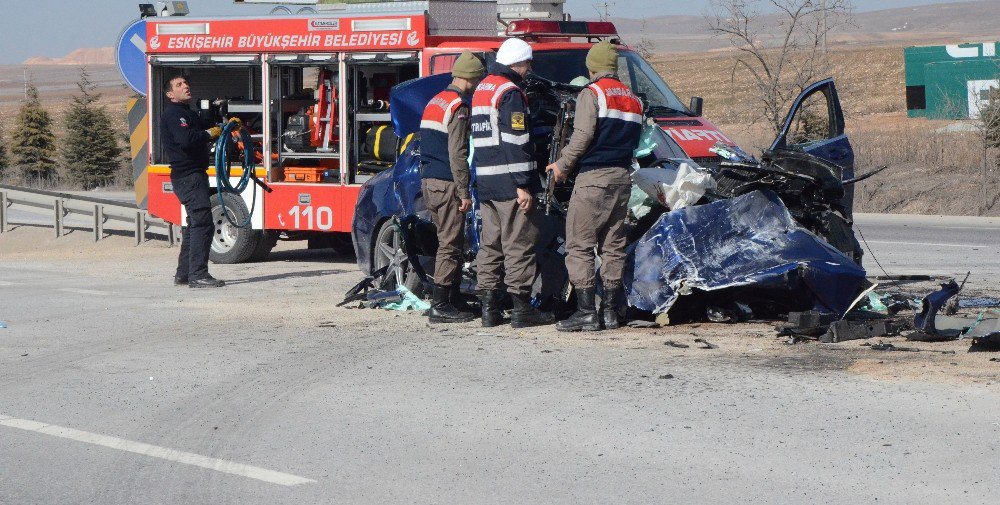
x=389 y=251
x=230 y=243
x=268 y=239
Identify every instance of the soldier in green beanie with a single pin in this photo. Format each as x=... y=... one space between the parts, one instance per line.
x=444 y=170
x=606 y=131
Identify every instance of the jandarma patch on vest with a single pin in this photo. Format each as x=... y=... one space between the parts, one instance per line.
x=517 y=120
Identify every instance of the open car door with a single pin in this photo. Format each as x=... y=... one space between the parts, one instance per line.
x=815 y=125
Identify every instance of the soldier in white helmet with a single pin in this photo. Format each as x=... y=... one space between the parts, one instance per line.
x=507 y=182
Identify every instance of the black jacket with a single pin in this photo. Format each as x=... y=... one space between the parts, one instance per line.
x=184 y=139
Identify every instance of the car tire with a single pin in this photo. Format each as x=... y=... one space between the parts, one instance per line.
x=230 y=243
x=268 y=240
x=388 y=249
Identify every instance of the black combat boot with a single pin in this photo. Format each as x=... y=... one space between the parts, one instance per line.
x=524 y=315
x=609 y=308
x=205 y=282
x=441 y=309
x=585 y=318
x=492 y=311
x=458 y=301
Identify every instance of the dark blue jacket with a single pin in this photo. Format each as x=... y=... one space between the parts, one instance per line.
x=184 y=139
x=618 y=129
x=504 y=154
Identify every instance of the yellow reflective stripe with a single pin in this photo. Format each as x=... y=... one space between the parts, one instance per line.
x=235 y=172
x=378 y=141
x=406 y=143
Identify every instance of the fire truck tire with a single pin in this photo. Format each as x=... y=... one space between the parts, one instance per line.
x=268 y=240
x=232 y=244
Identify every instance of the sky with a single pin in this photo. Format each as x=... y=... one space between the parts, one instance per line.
x=56 y=27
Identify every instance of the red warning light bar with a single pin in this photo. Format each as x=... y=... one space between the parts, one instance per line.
x=527 y=27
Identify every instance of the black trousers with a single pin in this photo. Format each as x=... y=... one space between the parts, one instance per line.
x=194 y=193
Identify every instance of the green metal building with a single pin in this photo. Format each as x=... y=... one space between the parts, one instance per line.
x=950 y=82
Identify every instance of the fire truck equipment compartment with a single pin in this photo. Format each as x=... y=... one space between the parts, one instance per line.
x=304 y=174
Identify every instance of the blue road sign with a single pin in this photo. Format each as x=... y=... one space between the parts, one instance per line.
x=131 y=56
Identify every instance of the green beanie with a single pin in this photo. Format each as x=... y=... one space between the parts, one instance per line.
x=603 y=57
x=467 y=66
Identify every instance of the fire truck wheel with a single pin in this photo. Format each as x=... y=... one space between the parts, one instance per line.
x=232 y=244
x=388 y=250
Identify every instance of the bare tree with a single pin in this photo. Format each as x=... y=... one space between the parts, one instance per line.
x=987 y=126
x=780 y=46
x=645 y=45
x=603 y=10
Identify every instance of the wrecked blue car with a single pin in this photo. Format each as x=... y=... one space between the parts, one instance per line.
x=740 y=236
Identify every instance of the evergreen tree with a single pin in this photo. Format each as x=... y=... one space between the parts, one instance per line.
x=90 y=147
x=33 y=146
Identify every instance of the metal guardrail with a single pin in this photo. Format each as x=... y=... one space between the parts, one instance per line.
x=61 y=205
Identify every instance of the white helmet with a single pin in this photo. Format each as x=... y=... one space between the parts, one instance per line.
x=513 y=51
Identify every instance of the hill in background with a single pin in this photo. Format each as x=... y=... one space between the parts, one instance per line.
x=80 y=57
x=929 y=24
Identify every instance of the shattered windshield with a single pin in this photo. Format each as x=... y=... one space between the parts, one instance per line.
x=565 y=65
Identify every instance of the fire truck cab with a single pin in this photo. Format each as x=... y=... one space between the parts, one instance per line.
x=314 y=92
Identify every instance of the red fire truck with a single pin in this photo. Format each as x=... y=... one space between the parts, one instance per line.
x=314 y=90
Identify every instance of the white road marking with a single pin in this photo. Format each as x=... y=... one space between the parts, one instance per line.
x=137 y=41
x=5 y=284
x=929 y=244
x=84 y=291
x=187 y=458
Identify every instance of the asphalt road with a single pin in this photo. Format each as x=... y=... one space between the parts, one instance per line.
x=899 y=244
x=934 y=245
x=116 y=388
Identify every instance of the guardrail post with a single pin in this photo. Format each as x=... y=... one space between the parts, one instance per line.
x=140 y=228
x=3 y=212
x=59 y=218
x=171 y=235
x=98 y=222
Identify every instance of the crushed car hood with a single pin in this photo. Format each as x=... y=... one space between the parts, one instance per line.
x=749 y=241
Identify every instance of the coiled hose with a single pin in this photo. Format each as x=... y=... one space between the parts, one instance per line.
x=223 y=168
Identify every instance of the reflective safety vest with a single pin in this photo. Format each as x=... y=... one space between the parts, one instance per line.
x=619 y=126
x=434 y=160
x=502 y=142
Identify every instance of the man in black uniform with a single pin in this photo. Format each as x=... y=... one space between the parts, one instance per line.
x=185 y=139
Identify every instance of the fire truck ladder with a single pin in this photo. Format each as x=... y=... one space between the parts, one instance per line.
x=61 y=205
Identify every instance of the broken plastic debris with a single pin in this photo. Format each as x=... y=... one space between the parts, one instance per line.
x=875 y=303
x=731 y=152
x=409 y=301
x=674 y=188
x=978 y=303
x=640 y=203
x=929 y=307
